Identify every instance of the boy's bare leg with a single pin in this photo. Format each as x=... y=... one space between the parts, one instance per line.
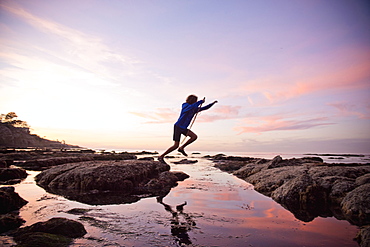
x=193 y=137
x=170 y=149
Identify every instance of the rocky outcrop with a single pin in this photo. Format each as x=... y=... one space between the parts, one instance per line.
x=12 y=175
x=185 y=161
x=61 y=226
x=16 y=137
x=356 y=205
x=363 y=236
x=109 y=182
x=54 y=232
x=10 y=201
x=10 y=221
x=41 y=164
x=308 y=187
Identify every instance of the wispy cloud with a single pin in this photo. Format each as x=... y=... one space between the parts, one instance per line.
x=220 y=112
x=350 y=109
x=160 y=115
x=348 y=70
x=275 y=123
x=168 y=115
x=75 y=47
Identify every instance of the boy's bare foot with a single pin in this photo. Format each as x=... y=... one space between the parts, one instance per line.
x=160 y=159
x=182 y=151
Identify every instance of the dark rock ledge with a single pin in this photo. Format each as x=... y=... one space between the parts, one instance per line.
x=54 y=232
x=12 y=175
x=10 y=201
x=309 y=188
x=109 y=182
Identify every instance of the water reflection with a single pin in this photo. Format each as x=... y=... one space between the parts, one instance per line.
x=221 y=210
x=181 y=222
x=96 y=197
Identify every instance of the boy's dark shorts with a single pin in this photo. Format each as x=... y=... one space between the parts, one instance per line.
x=177 y=131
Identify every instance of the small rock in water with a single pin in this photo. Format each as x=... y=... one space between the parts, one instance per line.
x=185 y=161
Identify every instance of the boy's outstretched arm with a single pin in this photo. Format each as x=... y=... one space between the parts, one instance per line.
x=208 y=106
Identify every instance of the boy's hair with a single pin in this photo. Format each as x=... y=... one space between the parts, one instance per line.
x=191 y=99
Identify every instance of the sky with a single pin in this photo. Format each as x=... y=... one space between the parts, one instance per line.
x=289 y=75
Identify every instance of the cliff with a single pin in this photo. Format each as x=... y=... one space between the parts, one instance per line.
x=17 y=137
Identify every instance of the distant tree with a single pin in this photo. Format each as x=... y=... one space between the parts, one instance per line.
x=10 y=118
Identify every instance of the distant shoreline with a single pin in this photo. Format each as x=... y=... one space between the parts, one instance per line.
x=361 y=158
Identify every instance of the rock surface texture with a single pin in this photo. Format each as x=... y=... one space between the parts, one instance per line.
x=12 y=175
x=54 y=232
x=109 y=182
x=308 y=187
x=9 y=202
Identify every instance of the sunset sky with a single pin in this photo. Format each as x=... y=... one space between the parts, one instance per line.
x=290 y=75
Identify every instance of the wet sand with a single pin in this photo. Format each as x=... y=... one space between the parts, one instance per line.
x=221 y=210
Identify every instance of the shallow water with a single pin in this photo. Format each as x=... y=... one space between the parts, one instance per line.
x=221 y=210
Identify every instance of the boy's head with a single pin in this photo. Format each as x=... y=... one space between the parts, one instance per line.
x=191 y=99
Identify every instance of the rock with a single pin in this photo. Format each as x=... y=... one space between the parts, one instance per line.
x=36 y=239
x=165 y=181
x=267 y=181
x=10 y=200
x=3 y=164
x=42 y=164
x=114 y=156
x=45 y=163
x=247 y=170
x=181 y=176
x=147 y=158
x=340 y=187
x=78 y=211
x=12 y=173
x=185 y=161
x=230 y=158
x=60 y=226
x=302 y=197
x=329 y=170
x=7 y=241
x=308 y=187
x=54 y=232
x=10 y=221
x=275 y=162
x=363 y=236
x=108 y=182
x=356 y=205
x=365 y=179
x=11 y=182
x=218 y=156
x=229 y=166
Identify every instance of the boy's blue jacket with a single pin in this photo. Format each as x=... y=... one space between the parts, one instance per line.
x=188 y=111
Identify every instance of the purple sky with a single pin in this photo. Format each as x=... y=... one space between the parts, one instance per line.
x=290 y=76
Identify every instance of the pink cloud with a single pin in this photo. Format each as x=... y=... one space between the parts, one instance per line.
x=160 y=115
x=166 y=115
x=350 y=109
x=227 y=110
x=220 y=112
x=347 y=70
x=274 y=123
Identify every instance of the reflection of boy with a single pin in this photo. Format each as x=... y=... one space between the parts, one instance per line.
x=191 y=107
x=179 y=229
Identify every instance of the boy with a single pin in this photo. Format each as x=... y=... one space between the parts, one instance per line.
x=189 y=109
